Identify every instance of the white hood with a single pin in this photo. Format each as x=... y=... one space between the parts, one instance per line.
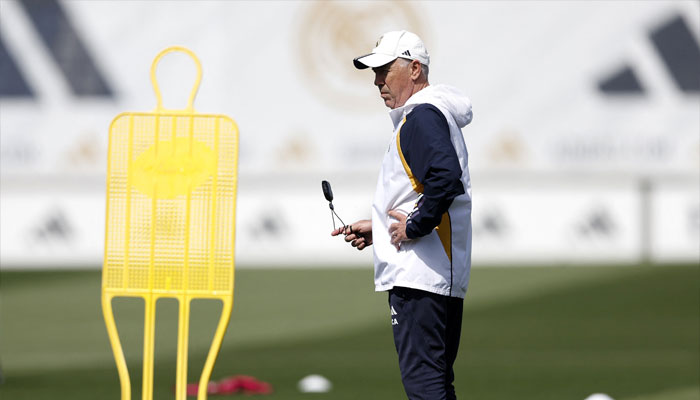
x=450 y=100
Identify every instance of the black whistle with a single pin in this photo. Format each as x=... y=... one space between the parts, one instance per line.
x=327 y=192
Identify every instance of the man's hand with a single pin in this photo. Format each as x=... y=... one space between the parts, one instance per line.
x=359 y=233
x=397 y=230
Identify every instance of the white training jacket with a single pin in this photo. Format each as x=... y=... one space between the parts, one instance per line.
x=440 y=261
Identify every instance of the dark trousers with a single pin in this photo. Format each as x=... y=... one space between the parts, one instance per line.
x=426 y=327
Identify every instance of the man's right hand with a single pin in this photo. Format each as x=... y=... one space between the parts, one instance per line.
x=359 y=233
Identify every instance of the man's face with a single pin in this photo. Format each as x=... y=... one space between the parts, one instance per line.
x=394 y=82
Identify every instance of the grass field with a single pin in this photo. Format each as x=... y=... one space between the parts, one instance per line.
x=529 y=333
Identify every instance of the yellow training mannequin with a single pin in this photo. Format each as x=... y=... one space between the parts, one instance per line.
x=170 y=227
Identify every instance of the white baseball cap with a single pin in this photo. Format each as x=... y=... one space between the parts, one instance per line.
x=393 y=45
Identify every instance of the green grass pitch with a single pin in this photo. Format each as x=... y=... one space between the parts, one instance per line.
x=529 y=333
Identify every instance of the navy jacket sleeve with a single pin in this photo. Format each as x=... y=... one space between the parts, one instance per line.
x=429 y=153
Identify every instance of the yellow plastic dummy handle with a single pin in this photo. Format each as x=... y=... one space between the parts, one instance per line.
x=190 y=102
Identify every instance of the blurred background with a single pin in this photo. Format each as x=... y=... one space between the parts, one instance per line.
x=585 y=162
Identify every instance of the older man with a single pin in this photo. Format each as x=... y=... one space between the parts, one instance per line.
x=421 y=216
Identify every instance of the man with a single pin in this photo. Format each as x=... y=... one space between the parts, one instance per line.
x=421 y=216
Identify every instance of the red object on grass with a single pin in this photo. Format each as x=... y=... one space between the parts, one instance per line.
x=243 y=384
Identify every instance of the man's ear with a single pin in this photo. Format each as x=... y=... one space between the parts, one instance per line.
x=415 y=69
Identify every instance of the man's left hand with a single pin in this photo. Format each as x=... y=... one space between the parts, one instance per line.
x=397 y=231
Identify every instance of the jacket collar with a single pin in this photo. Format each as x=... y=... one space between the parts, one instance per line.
x=397 y=114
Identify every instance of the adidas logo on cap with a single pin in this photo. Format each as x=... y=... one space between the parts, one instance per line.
x=392 y=45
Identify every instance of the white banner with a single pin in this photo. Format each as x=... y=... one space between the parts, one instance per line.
x=591 y=89
x=560 y=221
x=288 y=223
x=675 y=221
x=568 y=85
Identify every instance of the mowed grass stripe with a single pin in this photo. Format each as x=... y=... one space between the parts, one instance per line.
x=52 y=314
